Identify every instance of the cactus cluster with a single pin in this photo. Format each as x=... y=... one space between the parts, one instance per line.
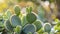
x=29 y=24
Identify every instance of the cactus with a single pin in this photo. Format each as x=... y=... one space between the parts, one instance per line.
x=36 y=33
x=31 y=17
x=24 y=21
x=8 y=26
x=29 y=9
x=17 y=10
x=25 y=24
x=15 y=20
x=1 y=29
x=29 y=28
x=47 y=27
x=18 y=29
x=1 y=23
x=38 y=24
x=8 y=13
x=29 y=33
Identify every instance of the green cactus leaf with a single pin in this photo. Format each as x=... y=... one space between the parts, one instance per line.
x=17 y=10
x=15 y=20
x=1 y=29
x=47 y=27
x=29 y=33
x=29 y=9
x=8 y=26
x=41 y=14
x=31 y=17
x=29 y=28
x=8 y=13
x=18 y=29
x=36 y=33
x=1 y=26
x=38 y=25
x=24 y=21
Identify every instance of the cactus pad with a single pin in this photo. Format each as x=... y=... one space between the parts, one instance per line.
x=29 y=28
x=15 y=20
x=31 y=17
x=18 y=29
x=8 y=26
x=38 y=25
x=17 y=10
x=47 y=27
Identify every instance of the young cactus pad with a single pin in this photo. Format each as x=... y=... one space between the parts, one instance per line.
x=38 y=25
x=47 y=27
x=24 y=21
x=15 y=20
x=8 y=26
x=17 y=10
x=18 y=29
x=8 y=13
x=29 y=9
x=29 y=28
x=31 y=17
x=29 y=33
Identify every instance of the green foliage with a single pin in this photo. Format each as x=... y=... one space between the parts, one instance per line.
x=8 y=26
x=36 y=33
x=38 y=25
x=8 y=13
x=31 y=17
x=15 y=20
x=18 y=29
x=17 y=10
x=47 y=27
x=29 y=9
x=29 y=28
x=29 y=33
x=25 y=24
x=24 y=21
x=57 y=27
x=41 y=14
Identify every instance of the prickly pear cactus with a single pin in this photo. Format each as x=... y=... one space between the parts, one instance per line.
x=29 y=9
x=15 y=20
x=8 y=13
x=17 y=10
x=24 y=21
x=31 y=17
x=38 y=24
x=18 y=29
x=29 y=33
x=36 y=33
x=47 y=27
x=8 y=26
x=1 y=23
x=29 y=28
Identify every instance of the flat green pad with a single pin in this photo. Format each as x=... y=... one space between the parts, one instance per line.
x=47 y=27
x=31 y=17
x=38 y=25
x=29 y=28
x=17 y=10
x=8 y=26
x=15 y=20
